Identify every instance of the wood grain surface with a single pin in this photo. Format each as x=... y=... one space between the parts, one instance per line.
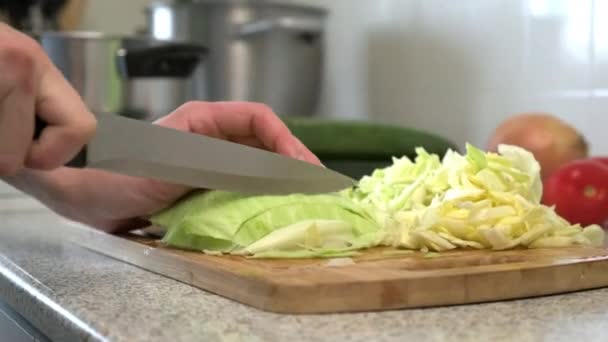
x=377 y=280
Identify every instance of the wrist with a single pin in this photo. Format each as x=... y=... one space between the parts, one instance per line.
x=48 y=187
x=26 y=182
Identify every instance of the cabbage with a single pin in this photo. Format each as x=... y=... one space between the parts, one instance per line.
x=294 y=225
x=477 y=200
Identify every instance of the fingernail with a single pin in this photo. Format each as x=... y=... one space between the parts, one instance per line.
x=301 y=156
x=294 y=151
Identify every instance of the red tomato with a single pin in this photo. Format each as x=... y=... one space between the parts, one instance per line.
x=603 y=160
x=579 y=191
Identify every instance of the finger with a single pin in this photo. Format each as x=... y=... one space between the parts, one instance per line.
x=250 y=119
x=223 y=119
x=16 y=127
x=230 y=120
x=70 y=124
x=180 y=119
x=253 y=119
x=305 y=154
x=16 y=106
x=259 y=121
x=249 y=141
x=300 y=152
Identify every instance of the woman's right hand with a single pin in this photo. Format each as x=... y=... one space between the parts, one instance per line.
x=31 y=85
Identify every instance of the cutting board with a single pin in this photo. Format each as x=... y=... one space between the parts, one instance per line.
x=378 y=280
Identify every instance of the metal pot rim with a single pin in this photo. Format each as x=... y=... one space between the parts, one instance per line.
x=268 y=3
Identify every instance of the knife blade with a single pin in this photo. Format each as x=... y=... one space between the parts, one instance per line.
x=141 y=149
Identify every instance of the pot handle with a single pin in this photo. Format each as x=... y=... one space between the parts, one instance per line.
x=168 y=60
x=307 y=26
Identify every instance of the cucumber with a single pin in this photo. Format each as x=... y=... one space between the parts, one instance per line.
x=355 y=168
x=360 y=140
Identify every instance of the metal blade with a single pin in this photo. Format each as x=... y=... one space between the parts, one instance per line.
x=141 y=149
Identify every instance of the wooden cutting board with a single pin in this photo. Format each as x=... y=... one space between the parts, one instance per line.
x=376 y=280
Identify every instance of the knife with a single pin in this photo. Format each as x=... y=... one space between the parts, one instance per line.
x=141 y=149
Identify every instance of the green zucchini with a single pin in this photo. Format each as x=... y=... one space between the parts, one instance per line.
x=363 y=140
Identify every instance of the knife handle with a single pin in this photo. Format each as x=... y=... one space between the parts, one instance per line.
x=79 y=160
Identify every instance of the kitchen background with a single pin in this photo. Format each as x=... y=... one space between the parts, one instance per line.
x=455 y=68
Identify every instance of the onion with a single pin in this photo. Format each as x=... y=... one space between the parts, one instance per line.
x=552 y=141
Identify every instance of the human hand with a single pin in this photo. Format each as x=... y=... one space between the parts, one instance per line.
x=115 y=202
x=31 y=85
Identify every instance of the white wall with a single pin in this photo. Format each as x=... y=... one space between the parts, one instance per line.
x=456 y=68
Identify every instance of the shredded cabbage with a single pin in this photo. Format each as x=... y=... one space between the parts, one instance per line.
x=477 y=200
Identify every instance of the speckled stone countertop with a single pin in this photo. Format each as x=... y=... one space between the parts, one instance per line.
x=70 y=293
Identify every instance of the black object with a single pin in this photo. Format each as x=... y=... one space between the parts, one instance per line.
x=174 y=60
x=19 y=13
x=79 y=160
x=50 y=8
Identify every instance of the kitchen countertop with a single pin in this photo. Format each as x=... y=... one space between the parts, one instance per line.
x=70 y=293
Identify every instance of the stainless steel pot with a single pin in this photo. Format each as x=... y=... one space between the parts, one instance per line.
x=258 y=50
x=135 y=77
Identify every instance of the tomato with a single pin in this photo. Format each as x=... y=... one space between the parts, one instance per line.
x=602 y=160
x=579 y=191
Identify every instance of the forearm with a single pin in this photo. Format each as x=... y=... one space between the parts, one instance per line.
x=33 y=183
x=99 y=199
x=61 y=190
